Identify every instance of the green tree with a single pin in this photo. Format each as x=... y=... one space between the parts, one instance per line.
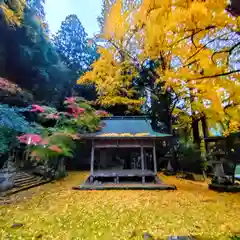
x=38 y=7
x=72 y=44
x=29 y=59
x=76 y=50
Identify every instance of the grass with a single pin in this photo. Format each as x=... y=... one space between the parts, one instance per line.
x=55 y=211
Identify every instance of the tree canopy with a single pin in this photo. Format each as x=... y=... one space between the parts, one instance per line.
x=72 y=45
x=196 y=46
x=32 y=60
x=12 y=11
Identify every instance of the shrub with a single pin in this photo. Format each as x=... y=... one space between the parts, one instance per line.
x=11 y=93
x=190 y=158
x=59 y=140
x=12 y=123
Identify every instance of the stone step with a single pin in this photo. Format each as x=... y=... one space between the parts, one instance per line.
x=22 y=179
x=22 y=174
x=27 y=182
x=26 y=187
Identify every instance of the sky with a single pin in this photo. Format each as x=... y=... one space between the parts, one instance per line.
x=86 y=10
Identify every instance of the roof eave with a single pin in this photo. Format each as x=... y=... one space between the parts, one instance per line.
x=127 y=137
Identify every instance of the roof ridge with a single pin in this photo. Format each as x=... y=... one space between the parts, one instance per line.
x=127 y=117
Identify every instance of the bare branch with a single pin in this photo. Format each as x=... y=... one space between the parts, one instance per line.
x=193 y=32
x=229 y=51
x=204 y=46
x=216 y=75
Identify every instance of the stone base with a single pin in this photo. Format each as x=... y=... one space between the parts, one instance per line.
x=224 y=188
x=226 y=180
x=126 y=186
x=169 y=173
x=192 y=177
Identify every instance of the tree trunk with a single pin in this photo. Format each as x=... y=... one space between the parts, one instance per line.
x=234 y=8
x=195 y=127
x=233 y=176
x=205 y=127
x=61 y=165
x=196 y=135
x=60 y=168
x=205 y=132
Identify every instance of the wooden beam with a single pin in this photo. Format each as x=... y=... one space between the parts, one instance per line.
x=142 y=163
x=121 y=146
x=154 y=159
x=92 y=158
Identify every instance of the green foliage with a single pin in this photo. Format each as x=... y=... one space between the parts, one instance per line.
x=11 y=124
x=76 y=50
x=88 y=123
x=190 y=158
x=11 y=118
x=38 y=7
x=72 y=44
x=29 y=58
x=44 y=154
x=59 y=140
x=235 y=238
x=6 y=139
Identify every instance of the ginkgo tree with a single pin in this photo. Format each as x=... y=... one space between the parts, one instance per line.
x=12 y=11
x=197 y=45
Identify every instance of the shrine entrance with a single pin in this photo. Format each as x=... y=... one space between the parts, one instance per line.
x=123 y=158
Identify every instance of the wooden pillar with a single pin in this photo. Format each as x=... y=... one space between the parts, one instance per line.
x=92 y=161
x=154 y=158
x=103 y=158
x=172 y=160
x=142 y=163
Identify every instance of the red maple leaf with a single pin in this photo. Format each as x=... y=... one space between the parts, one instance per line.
x=37 y=108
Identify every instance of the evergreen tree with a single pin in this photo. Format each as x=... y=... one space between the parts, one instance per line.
x=77 y=52
x=73 y=46
x=38 y=7
x=29 y=59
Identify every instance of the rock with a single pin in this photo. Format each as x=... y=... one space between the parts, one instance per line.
x=189 y=176
x=2 y=179
x=43 y=171
x=17 y=225
x=169 y=173
x=6 y=184
x=221 y=180
x=9 y=167
x=194 y=177
x=40 y=170
x=199 y=177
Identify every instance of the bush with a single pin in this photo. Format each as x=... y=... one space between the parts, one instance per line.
x=58 y=139
x=11 y=124
x=190 y=158
x=12 y=94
